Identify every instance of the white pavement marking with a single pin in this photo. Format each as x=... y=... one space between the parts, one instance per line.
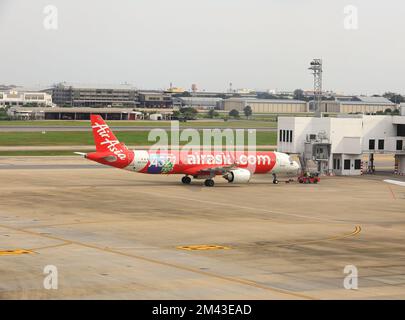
x=245 y=207
x=396 y=182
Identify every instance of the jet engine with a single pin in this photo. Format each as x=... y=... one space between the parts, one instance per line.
x=238 y=176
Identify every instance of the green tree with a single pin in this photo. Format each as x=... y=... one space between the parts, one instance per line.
x=188 y=113
x=31 y=105
x=299 y=94
x=247 y=111
x=212 y=114
x=3 y=114
x=234 y=113
x=266 y=95
x=394 y=97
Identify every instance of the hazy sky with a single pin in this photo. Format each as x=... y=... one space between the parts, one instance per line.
x=259 y=44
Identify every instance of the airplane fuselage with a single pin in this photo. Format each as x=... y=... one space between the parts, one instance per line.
x=144 y=161
x=234 y=166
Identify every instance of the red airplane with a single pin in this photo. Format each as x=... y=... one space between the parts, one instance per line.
x=235 y=167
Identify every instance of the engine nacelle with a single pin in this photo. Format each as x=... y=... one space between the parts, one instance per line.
x=238 y=176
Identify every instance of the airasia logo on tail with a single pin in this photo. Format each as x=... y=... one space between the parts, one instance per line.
x=104 y=133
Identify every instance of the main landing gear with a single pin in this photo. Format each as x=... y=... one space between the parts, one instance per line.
x=275 y=181
x=209 y=183
x=186 y=180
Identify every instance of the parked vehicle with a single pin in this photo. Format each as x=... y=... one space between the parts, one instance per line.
x=309 y=178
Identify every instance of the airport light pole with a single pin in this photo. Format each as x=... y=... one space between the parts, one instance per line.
x=316 y=67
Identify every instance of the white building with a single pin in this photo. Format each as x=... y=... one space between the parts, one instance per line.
x=338 y=144
x=17 y=99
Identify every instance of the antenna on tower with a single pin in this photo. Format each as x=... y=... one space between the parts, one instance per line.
x=316 y=67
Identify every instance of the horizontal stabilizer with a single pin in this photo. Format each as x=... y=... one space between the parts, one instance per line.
x=81 y=154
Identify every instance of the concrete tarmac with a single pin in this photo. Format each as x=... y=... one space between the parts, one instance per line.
x=120 y=235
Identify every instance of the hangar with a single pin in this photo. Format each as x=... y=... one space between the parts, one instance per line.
x=336 y=145
x=265 y=105
x=358 y=104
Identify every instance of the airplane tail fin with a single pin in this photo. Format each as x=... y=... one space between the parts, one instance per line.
x=108 y=149
x=104 y=138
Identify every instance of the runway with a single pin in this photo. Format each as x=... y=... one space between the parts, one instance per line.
x=120 y=235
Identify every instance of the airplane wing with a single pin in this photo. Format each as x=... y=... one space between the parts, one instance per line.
x=396 y=182
x=209 y=169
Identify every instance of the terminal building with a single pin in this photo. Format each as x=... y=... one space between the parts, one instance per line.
x=119 y=96
x=155 y=99
x=69 y=95
x=15 y=98
x=337 y=145
x=265 y=105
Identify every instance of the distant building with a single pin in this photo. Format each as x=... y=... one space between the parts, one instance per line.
x=201 y=102
x=243 y=91
x=156 y=117
x=309 y=94
x=213 y=94
x=16 y=98
x=265 y=105
x=89 y=96
x=175 y=90
x=6 y=87
x=155 y=99
x=358 y=104
x=72 y=113
x=285 y=94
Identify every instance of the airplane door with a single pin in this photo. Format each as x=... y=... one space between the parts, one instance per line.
x=141 y=159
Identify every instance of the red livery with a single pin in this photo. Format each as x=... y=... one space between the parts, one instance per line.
x=235 y=167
